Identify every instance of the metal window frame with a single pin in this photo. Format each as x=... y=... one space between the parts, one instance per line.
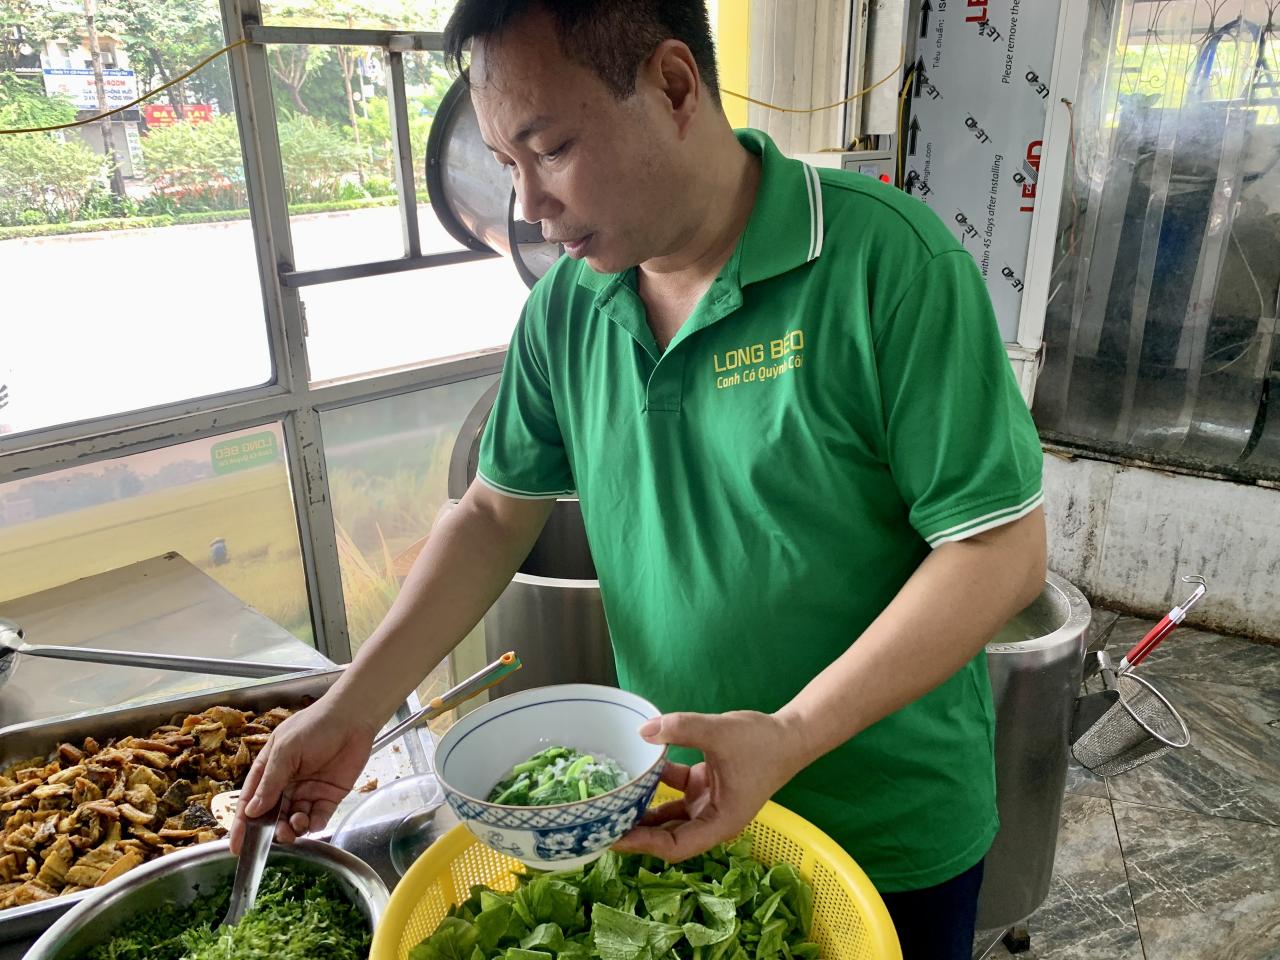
x=288 y=397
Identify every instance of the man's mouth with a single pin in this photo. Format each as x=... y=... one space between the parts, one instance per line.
x=575 y=246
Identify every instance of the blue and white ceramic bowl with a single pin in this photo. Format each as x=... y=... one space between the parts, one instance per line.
x=482 y=747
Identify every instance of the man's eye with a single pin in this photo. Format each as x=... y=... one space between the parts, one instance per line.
x=557 y=152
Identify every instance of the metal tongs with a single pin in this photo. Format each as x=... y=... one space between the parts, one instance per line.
x=258 y=835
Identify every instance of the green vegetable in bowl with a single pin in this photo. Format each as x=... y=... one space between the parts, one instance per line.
x=299 y=915
x=558 y=775
x=723 y=905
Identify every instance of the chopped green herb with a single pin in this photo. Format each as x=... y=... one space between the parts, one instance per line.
x=299 y=915
x=721 y=906
x=558 y=775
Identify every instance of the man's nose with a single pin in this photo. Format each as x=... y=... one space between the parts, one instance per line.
x=535 y=202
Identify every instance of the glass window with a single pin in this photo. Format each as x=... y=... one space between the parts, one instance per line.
x=334 y=119
x=388 y=465
x=372 y=14
x=223 y=503
x=427 y=78
x=377 y=323
x=1160 y=332
x=125 y=244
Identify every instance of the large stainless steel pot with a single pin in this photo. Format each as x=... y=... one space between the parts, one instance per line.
x=551 y=613
x=1034 y=664
x=182 y=877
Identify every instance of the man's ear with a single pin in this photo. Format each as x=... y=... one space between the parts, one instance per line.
x=672 y=70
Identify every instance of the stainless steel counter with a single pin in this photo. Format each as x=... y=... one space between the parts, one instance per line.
x=161 y=605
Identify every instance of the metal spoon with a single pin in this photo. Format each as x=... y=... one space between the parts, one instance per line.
x=11 y=643
x=258 y=834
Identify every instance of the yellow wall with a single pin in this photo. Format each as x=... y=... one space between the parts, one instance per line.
x=732 y=21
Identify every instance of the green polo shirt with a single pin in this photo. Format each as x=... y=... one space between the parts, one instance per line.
x=838 y=404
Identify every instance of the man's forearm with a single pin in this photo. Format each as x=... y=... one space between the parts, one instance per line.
x=467 y=562
x=946 y=612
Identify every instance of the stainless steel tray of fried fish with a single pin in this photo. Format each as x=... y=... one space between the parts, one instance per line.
x=126 y=788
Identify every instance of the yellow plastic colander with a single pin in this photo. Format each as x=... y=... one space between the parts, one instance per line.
x=850 y=921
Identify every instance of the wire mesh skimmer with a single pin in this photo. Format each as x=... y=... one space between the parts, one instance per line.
x=1126 y=724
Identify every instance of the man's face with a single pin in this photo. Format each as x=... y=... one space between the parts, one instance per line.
x=597 y=172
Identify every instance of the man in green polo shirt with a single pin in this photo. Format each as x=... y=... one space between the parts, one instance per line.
x=811 y=488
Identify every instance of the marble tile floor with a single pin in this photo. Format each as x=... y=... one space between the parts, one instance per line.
x=1179 y=859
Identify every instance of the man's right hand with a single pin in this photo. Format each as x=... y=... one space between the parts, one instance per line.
x=313 y=758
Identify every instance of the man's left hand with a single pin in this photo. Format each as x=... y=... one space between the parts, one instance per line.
x=748 y=757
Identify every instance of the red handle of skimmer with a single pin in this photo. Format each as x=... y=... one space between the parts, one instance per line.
x=1156 y=634
x=1138 y=652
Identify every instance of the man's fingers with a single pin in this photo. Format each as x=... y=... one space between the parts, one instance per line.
x=247 y=793
x=321 y=811
x=299 y=817
x=255 y=774
x=676 y=775
x=270 y=784
x=680 y=729
x=673 y=810
x=237 y=835
x=676 y=841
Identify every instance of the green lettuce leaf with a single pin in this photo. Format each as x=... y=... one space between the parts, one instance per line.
x=545 y=900
x=500 y=926
x=545 y=936
x=662 y=903
x=454 y=939
x=516 y=953
x=623 y=936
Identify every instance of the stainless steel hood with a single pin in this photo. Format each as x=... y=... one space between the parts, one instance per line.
x=472 y=195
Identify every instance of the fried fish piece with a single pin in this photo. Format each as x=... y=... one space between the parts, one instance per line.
x=122 y=866
x=53 y=872
x=33 y=891
x=70 y=753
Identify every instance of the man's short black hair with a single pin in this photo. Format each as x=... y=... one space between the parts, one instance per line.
x=610 y=37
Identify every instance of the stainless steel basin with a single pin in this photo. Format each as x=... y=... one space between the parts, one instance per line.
x=182 y=877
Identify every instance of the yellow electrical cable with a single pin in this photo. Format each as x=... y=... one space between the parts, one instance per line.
x=131 y=103
x=830 y=106
x=231 y=46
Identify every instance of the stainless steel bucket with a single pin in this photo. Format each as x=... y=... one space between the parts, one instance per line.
x=1034 y=664
x=551 y=614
